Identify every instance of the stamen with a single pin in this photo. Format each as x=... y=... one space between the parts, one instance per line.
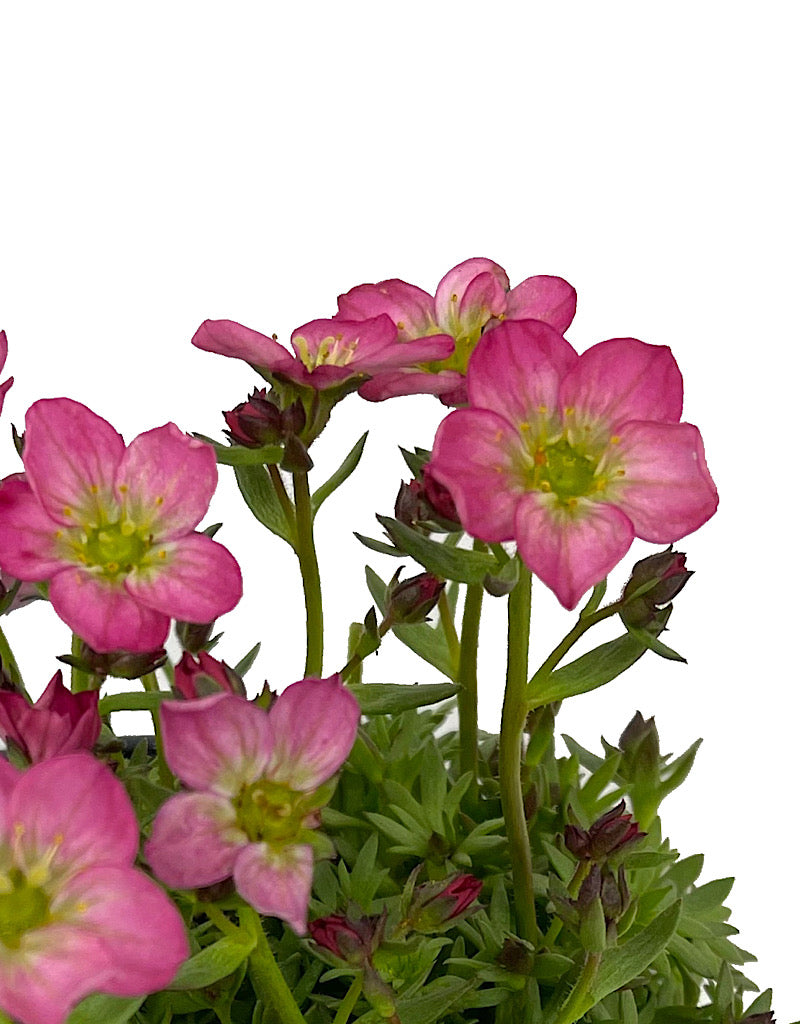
x=614 y=439
x=400 y=325
x=67 y=511
x=525 y=425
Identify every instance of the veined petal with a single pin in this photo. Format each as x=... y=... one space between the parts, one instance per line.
x=408 y=353
x=410 y=307
x=195 y=580
x=570 y=549
x=516 y=370
x=195 y=841
x=165 y=480
x=313 y=724
x=342 y=342
x=624 y=379
x=276 y=882
x=551 y=299
x=667 y=490
x=227 y=338
x=395 y=383
x=459 y=299
x=476 y=455
x=27 y=533
x=9 y=776
x=71 y=456
x=217 y=743
x=105 y=615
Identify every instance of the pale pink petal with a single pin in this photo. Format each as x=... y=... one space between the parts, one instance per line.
x=458 y=299
x=624 y=379
x=166 y=480
x=75 y=806
x=136 y=922
x=667 y=490
x=227 y=338
x=197 y=579
x=570 y=549
x=71 y=456
x=314 y=725
x=477 y=456
x=395 y=383
x=546 y=298
x=194 y=841
x=218 y=743
x=104 y=614
x=27 y=533
x=276 y=882
x=410 y=307
x=516 y=370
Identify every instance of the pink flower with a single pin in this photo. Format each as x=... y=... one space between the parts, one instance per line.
x=470 y=299
x=111 y=527
x=203 y=675
x=75 y=916
x=572 y=456
x=59 y=722
x=327 y=352
x=255 y=776
x=3 y=356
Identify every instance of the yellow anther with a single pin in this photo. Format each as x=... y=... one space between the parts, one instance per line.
x=524 y=425
x=94 y=489
x=400 y=325
x=338 y=337
x=572 y=502
x=59 y=534
x=501 y=316
x=497 y=469
x=542 y=409
x=67 y=511
x=81 y=907
x=19 y=829
x=539 y=458
x=123 y=488
x=112 y=566
x=569 y=410
x=162 y=553
x=159 y=500
x=614 y=439
x=454 y=297
x=498 y=435
x=274 y=337
x=620 y=472
x=545 y=486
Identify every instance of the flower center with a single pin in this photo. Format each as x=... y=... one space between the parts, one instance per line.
x=267 y=811
x=559 y=468
x=23 y=907
x=331 y=351
x=115 y=548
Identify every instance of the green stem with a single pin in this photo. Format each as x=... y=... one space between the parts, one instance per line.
x=575 y=1007
x=581 y=626
x=79 y=680
x=348 y=1003
x=269 y=984
x=10 y=663
x=449 y=629
x=515 y=710
x=468 y=680
x=223 y=923
x=309 y=568
x=574 y=887
x=150 y=684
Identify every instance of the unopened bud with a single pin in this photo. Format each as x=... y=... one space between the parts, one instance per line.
x=410 y=600
x=194 y=636
x=611 y=832
x=352 y=940
x=120 y=664
x=204 y=675
x=256 y=422
x=435 y=905
x=654 y=583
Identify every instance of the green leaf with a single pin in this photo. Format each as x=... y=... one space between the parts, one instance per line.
x=238 y=455
x=654 y=644
x=392 y=698
x=378 y=545
x=134 y=701
x=241 y=668
x=259 y=493
x=586 y=673
x=336 y=479
x=214 y=962
x=433 y=1003
x=452 y=563
x=104 y=1009
x=709 y=896
x=622 y=964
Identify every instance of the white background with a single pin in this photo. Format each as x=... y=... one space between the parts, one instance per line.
x=167 y=162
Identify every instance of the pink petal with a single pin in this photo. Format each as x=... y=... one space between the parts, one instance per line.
x=104 y=614
x=196 y=581
x=28 y=548
x=136 y=922
x=74 y=804
x=276 y=882
x=71 y=456
x=395 y=383
x=194 y=841
x=314 y=725
x=624 y=379
x=471 y=300
x=58 y=723
x=477 y=455
x=516 y=370
x=218 y=743
x=227 y=338
x=409 y=353
x=410 y=308
x=3 y=349
x=570 y=549
x=546 y=298
x=667 y=490
x=343 y=338
x=166 y=480
x=9 y=776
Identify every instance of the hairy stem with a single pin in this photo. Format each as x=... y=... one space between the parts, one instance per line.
x=309 y=568
x=269 y=984
x=468 y=680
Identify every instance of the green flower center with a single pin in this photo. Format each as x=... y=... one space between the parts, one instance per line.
x=114 y=548
x=23 y=907
x=268 y=811
x=560 y=468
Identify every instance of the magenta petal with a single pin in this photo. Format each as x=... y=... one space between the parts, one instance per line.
x=71 y=456
x=410 y=307
x=166 y=479
x=570 y=549
x=135 y=920
x=9 y=776
x=476 y=456
x=314 y=725
x=105 y=615
x=516 y=370
x=227 y=338
x=197 y=581
x=195 y=841
x=395 y=383
x=276 y=882
x=343 y=342
x=410 y=353
x=458 y=282
x=667 y=490
x=625 y=379
x=220 y=742
x=551 y=299
x=27 y=533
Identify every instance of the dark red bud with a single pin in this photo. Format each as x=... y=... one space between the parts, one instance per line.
x=412 y=599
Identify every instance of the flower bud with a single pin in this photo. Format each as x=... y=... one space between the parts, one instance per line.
x=352 y=940
x=611 y=832
x=759 y=1018
x=194 y=636
x=256 y=422
x=655 y=582
x=204 y=675
x=641 y=756
x=120 y=664
x=436 y=904
x=411 y=600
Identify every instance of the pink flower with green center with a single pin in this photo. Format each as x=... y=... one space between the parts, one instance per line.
x=59 y=722
x=75 y=916
x=471 y=298
x=326 y=352
x=112 y=528
x=572 y=456
x=256 y=778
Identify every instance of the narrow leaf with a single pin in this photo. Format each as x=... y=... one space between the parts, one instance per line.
x=213 y=963
x=588 y=672
x=392 y=698
x=105 y=1009
x=242 y=667
x=622 y=964
x=259 y=493
x=441 y=559
x=336 y=479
